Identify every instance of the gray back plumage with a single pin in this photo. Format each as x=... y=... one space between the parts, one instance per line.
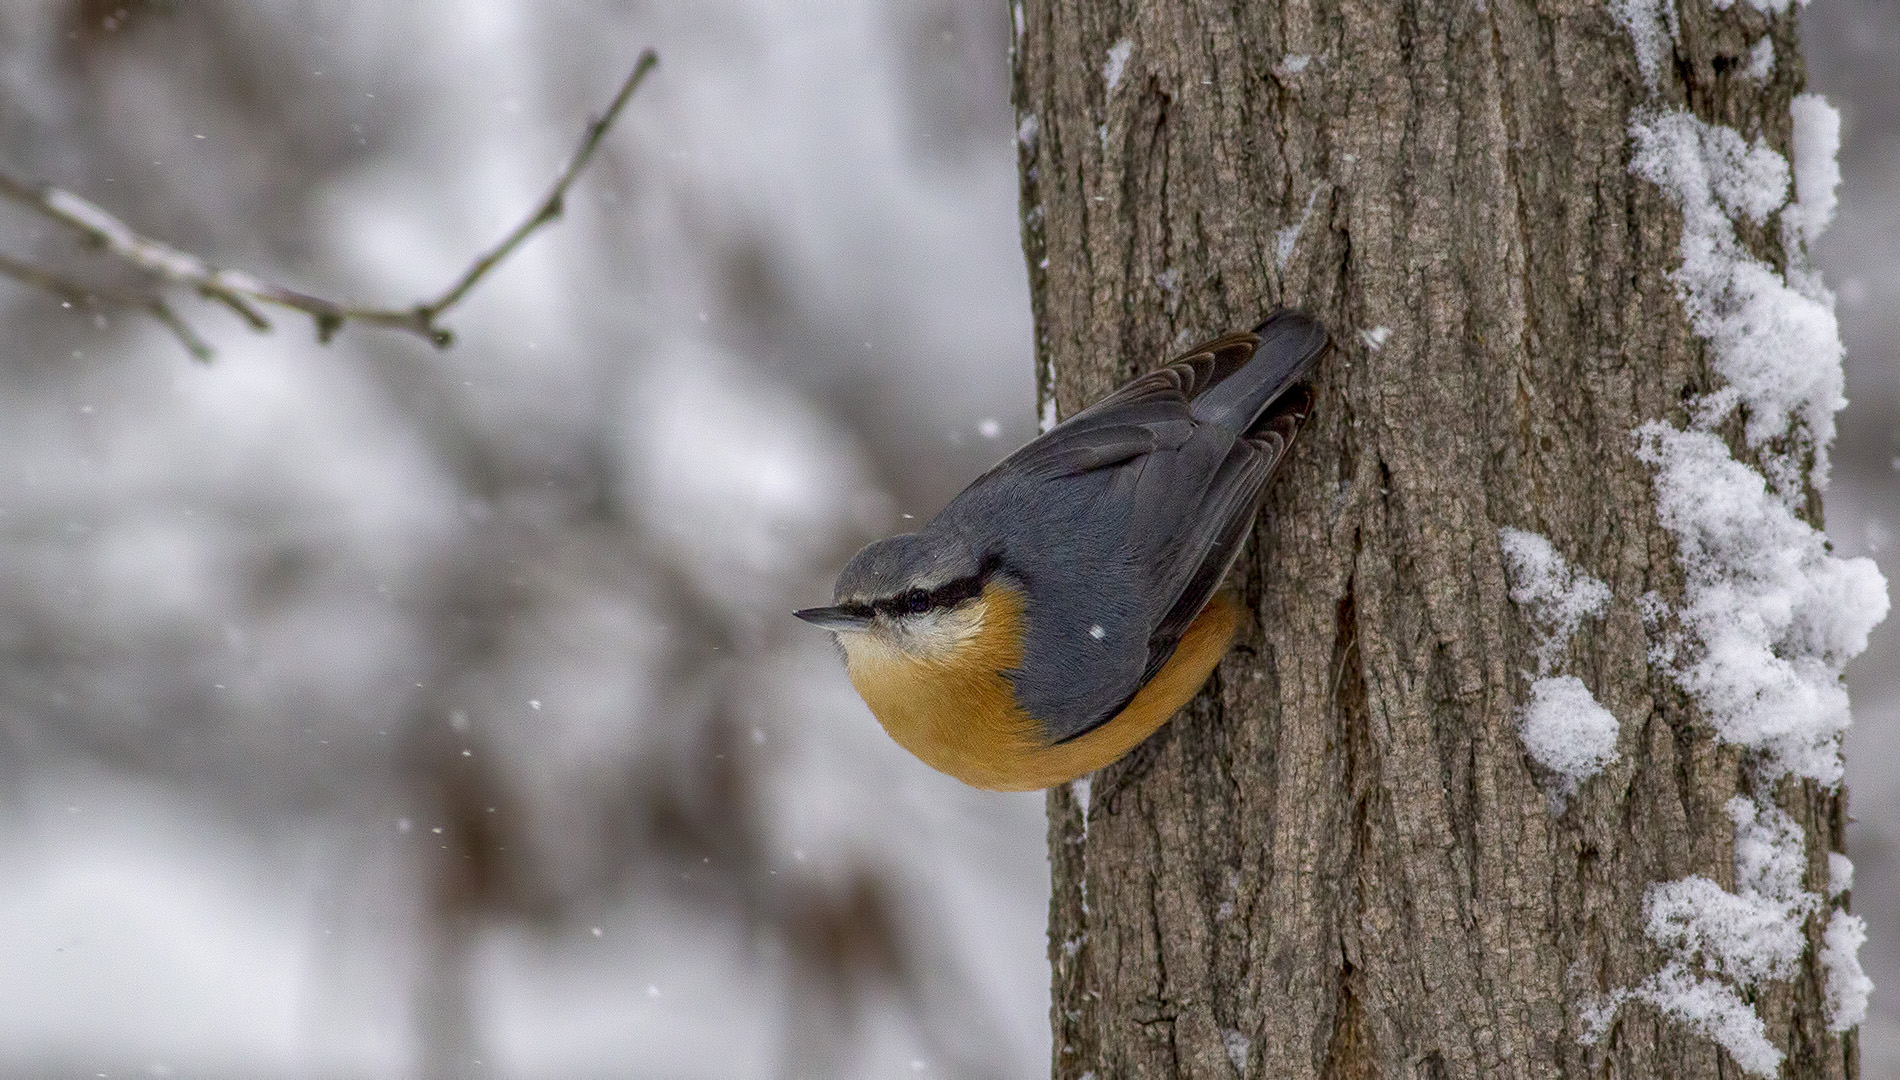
x=1120 y=523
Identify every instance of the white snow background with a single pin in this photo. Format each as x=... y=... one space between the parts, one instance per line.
x=787 y=307
x=258 y=611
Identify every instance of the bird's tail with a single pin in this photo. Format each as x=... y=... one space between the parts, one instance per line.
x=1290 y=344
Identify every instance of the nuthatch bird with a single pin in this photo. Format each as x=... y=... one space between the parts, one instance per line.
x=1065 y=605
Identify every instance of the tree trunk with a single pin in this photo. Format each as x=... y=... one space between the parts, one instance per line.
x=1340 y=861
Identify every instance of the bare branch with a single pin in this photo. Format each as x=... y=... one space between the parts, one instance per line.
x=551 y=206
x=243 y=293
x=81 y=294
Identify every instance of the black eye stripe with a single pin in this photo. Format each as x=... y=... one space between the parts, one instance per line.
x=947 y=595
x=955 y=592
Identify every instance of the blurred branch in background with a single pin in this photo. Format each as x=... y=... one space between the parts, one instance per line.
x=80 y=294
x=362 y=718
x=241 y=292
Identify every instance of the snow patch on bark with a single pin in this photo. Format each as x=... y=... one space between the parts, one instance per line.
x=1817 y=170
x=1848 y=987
x=1046 y=419
x=1770 y=850
x=1703 y=1005
x=1556 y=596
x=1080 y=788
x=1840 y=874
x=1777 y=348
x=1116 y=63
x=1563 y=727
x=1766 y=7
x=1567 y=732
x=1761 y=60
x=1769 y=616
x=1287 y=239
x=1653 y=29
x=1238 y=1047
x=1744 y=937
x=1721 y=944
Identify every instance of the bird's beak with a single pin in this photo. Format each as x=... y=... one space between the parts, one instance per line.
x=833 y=618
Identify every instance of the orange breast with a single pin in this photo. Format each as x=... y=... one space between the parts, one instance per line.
x=959 y=714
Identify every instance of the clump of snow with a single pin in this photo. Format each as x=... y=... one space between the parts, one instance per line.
x=1772 y=615
x=1704 y=1005
x=1753 y=934
x=1777 y=348
x=1294 y=63
x=1761 y=60
x=1653 y=29
x=1557 y=596
x=1770 y=849
x=1238 y=1046
x=1744 y=936
x=1285 y=240
x=1117 y=61
x=1563 y=727
x=1848 y=987
x=1817 y=173
x=1721 y=944
x=1840 y=874
x=1028 y=131
x=1567 y=732
x=1375 y=337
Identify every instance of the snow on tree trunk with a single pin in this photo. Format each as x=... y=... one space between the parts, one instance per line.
x=1528 y=765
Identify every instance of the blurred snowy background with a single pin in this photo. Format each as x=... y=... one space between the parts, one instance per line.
x=367 y=711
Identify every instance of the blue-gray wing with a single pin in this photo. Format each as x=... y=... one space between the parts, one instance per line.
x=1145 y=415
x=1218 y=530
x=1180 y=554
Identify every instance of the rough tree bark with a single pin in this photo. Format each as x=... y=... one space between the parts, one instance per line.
x=1338 y=862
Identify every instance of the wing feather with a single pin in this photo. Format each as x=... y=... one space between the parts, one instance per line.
x=1228 y=514
x=1221 y=524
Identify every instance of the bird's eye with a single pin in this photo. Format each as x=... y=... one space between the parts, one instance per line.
x=914 y=602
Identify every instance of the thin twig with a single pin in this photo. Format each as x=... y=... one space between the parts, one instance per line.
x=243 y=293
x=551 y=206
x=81 y=294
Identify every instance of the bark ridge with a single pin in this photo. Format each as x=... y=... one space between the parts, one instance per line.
x=1339 y=862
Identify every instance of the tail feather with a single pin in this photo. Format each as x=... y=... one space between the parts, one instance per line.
x=1290 y=344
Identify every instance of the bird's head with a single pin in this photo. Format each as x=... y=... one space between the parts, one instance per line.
x=920 y=593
